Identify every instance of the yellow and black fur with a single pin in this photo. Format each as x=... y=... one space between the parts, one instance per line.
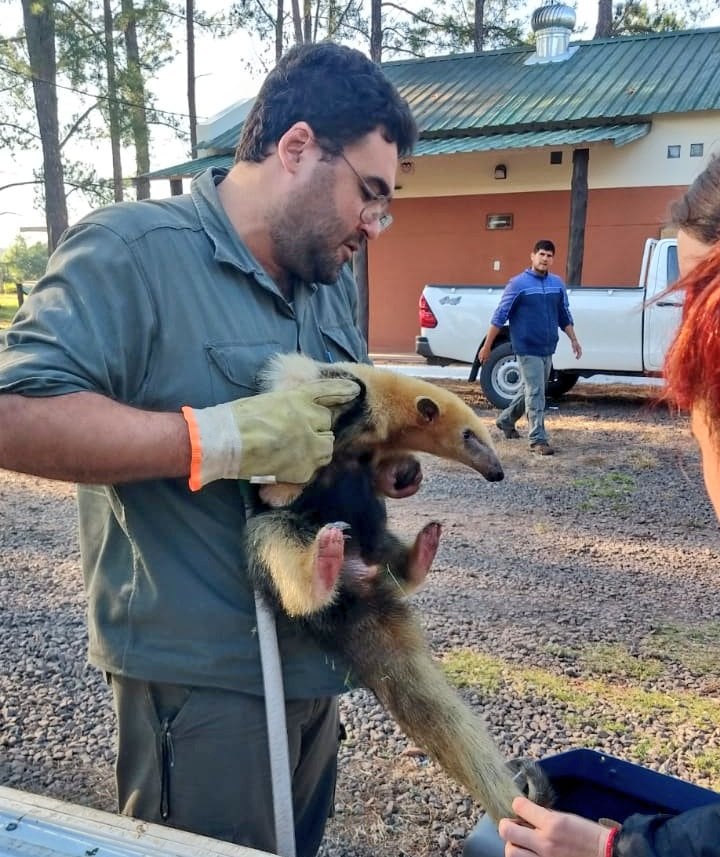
x=358 y=606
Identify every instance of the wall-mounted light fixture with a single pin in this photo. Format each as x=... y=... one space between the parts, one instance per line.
x=500 y=171
x=407 y=165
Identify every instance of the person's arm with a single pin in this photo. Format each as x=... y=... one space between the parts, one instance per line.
x=282 y=436
x=569 y=330
x=565 y=321
x=490 y=338
x=500 y=316
x=86 y=437
x=695 y=833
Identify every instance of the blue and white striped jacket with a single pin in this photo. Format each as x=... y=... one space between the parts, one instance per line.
x=535 y=306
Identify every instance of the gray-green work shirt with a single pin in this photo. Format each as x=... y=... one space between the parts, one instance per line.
x=159 y=304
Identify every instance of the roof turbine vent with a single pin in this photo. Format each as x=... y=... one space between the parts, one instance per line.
x=552 y=24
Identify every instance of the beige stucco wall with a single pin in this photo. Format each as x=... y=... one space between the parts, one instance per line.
x=643 y=163
x=440 y=235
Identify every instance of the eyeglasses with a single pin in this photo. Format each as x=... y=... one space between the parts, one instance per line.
x=376 y=211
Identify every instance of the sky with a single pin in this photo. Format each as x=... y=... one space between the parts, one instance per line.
x=222 y=79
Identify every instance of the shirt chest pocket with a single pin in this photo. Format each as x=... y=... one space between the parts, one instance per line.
x=236 y=368
x=342 y=343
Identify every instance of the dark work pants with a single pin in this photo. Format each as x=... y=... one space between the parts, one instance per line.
x=197 y=759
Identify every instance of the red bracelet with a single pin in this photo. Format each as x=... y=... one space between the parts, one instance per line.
x=610 y=840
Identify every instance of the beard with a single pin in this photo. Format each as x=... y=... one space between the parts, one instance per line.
x=308 y=234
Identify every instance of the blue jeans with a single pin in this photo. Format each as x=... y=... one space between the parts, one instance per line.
x=535 y=372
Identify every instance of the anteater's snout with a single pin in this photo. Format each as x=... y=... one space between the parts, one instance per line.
x=495 y=474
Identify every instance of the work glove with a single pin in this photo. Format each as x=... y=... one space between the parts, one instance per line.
x=282 y=436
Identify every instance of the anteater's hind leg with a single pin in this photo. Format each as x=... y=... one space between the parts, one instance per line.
x=409 y=564
x=292 y=562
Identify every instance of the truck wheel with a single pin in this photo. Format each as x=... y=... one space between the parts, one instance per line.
x=500 y=376
x=560 y=383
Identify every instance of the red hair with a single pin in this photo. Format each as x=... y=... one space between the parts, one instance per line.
x=692 y=365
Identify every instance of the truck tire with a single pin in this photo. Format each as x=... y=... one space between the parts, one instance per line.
x=500 y=378
x=560 y=383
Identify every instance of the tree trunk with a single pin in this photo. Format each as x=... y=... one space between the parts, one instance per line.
x=360 y=270
x=479 y=26
x=603 y=30
x=192 y=107
x=39 y=21
x=279 y=22
x=138 y=114
x=113 y=112
x=297 y=22
x=578 y=216
x=376 y=31
x=307 y=21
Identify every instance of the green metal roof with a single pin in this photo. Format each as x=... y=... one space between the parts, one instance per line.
x=227 y=140
x=606 y=81
x=617 y=134
x=230 y=138
x=191 y=168
x=497 y=100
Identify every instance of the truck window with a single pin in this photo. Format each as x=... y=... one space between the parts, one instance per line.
x=673 y=271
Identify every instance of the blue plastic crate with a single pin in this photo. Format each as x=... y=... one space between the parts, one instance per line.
x=595 y=785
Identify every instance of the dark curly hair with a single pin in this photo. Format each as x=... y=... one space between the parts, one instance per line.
x=337 y=90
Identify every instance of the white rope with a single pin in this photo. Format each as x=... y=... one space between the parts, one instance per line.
x=277 y=730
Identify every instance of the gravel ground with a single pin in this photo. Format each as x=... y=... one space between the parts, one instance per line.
x=585 y=585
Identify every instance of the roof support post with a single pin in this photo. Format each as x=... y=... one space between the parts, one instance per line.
x=176 y=187
x=578 y=217
x=360 y=270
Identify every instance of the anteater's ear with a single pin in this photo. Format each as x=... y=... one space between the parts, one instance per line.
x=427 y=409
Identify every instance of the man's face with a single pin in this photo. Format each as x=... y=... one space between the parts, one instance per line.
x=541 y=261
x=319 y=226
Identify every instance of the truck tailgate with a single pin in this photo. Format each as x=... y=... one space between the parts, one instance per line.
x=463 y=315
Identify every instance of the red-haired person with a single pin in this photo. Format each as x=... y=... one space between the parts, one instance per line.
x=692 y=370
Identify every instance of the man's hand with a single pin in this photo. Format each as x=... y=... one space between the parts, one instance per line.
x=484 y=352
x=281 y=436
x=577 y=348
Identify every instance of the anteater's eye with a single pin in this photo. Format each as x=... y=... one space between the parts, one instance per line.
x=467 y=434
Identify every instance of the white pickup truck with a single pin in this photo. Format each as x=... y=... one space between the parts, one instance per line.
x=622 y=330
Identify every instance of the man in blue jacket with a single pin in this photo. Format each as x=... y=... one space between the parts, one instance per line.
x=535 y=305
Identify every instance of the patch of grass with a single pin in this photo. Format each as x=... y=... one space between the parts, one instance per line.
x=626 y=708
x=708 y=763
x=615 y=659
x=8 y=308
x=470 y=669
x=643 y=749
x=564 y=652
x=641 y=460
x=696 y=648
x=611 y=488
